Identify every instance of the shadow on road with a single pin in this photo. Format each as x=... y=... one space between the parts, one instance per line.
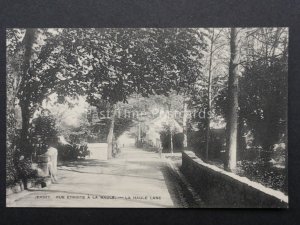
x=94 y=166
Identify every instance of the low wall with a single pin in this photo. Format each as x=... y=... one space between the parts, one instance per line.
x=98 y=151
x=219 y=188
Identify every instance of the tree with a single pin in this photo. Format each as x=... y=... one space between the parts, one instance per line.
x=233 y=105
x=104 y=64
x=266 y=118
x=110 y=135
x=212 y=43
x=262 y=92
x=144 y=61
x=184 y=122
x=28 y=42
x=39 y=70
x=263 y=88
x=14 y=56
x=209 y=85
x=189 y=48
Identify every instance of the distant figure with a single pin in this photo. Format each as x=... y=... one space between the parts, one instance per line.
x=123 y=145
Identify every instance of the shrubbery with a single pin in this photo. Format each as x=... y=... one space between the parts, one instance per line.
x=72 y=151
x=42 y=129
x=166 y=141
x=266 y=174
x=24 y=169
x=19 y=168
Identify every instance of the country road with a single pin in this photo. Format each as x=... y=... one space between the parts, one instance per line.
x=137 y=178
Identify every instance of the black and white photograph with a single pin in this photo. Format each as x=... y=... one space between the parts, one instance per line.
x=147 y=117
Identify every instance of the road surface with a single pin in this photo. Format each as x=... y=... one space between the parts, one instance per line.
x=137 y=178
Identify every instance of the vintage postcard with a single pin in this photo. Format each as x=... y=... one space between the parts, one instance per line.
x=147 y=117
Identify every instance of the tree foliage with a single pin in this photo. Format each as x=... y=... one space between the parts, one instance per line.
x=264 y=102
x=262 y=88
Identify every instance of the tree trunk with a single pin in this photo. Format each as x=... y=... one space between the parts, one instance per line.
x=184 y=122
x=24 y=136
x=209 y=95
x=171 y=128
x=24 y=100
x=171 y=142
x=139 y=135
x=232 y=121
x=110 y=135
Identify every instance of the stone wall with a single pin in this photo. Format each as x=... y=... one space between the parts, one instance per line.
x=219 y=188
